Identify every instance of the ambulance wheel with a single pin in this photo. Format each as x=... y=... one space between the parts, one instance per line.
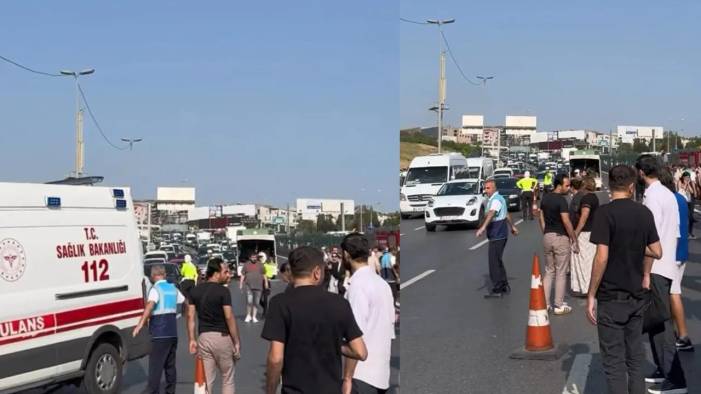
x=103 y=373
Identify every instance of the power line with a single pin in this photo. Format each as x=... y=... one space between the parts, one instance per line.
x=28 y=69
x=92 y=116
x=452 y=57
x=415 y=22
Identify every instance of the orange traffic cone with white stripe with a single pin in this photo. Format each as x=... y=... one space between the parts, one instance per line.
x=539 y=340
x=200 y=381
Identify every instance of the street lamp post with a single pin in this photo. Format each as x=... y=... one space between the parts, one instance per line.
x=441 y=76
x=132 y=141
x=485 y=79
x=79 y=142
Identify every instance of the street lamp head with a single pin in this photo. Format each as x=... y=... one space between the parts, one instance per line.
x=440 y=22
x=87 y=71
x=67 y=72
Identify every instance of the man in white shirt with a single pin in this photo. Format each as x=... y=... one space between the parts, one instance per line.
x=373 y=307
x=665 y=210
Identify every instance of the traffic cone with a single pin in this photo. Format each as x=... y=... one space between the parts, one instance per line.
x=200 y=381
x=539 y=341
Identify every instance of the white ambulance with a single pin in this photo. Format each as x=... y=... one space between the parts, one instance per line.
x=71 y=284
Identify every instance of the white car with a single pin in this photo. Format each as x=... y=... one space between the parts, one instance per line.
x=457 y=202
x=504 y=172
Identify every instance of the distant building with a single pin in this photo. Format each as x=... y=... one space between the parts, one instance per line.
x=175 y=199
x=628 y=134
x=311 y=208
x=472 y=130
x=519 y=129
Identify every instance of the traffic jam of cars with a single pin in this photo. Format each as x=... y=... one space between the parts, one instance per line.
x=448 y=189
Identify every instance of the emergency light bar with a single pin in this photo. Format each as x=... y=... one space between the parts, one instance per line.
x=118 y=193
x=53 y=202
x=121 y=204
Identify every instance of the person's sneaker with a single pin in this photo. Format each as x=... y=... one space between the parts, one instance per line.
x=255 y=320
x=493 y=294
x=684 y=344
x=656 y=377
x=667 y=387
x=248 y=318
x=562 y=309
x=692 y=236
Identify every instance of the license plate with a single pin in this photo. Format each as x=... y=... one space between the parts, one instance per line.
x=448 y=217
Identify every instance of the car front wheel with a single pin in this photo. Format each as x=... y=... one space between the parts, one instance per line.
x=103 y=372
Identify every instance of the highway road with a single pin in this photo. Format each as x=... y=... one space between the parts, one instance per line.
x=250 y=371
x=455 y=341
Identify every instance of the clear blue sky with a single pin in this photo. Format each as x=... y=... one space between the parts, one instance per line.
x=573 y=64
x=247 y=101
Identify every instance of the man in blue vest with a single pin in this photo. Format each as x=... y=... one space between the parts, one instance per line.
x=161 y=308
x=497 y=225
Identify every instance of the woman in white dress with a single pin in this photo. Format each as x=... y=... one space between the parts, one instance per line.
x=581 y=263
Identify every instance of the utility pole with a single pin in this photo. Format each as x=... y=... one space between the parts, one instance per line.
x=343 y=218
x=361 y=218
x=79 y=141
x=653 y=140
x=287 y=225
x=441 y=77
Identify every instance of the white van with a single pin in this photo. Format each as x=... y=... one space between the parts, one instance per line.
x=480 y=168
x=425 y=177
x=72 y=286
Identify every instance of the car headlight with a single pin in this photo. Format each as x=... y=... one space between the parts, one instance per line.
x=471 y=201
x=402 y=197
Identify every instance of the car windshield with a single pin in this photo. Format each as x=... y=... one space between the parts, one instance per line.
x=505 y=183
x=418 y=175
x=458 y=189
x=472 y=172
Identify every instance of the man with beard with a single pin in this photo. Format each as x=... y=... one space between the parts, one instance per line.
x=371 y=299
x=663 y=204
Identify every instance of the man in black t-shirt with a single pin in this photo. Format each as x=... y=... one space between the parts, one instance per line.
x=310 y=330
x=218 y=341
x=626 y=242
x=558 y=242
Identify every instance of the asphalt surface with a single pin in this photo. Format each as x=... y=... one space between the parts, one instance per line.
x=455 y=341
x=250 y=370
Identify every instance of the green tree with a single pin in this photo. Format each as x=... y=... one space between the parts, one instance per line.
x=349 y=222
x=392 y=221
x=639 y=146
x=693 y=143
x=325 y=223
x=366 y=218
x=306 y=226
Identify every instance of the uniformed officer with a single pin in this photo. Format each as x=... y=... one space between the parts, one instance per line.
x=496 y=225
x=189 y=273
x=548 y=181
x=160 y=311
x=527 y=186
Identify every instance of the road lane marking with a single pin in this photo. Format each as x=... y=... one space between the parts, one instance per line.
x=418 y=228
x=416 y=279
x=282 y=257
x=479 y=245
x=401 y=235
x=577 y=380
